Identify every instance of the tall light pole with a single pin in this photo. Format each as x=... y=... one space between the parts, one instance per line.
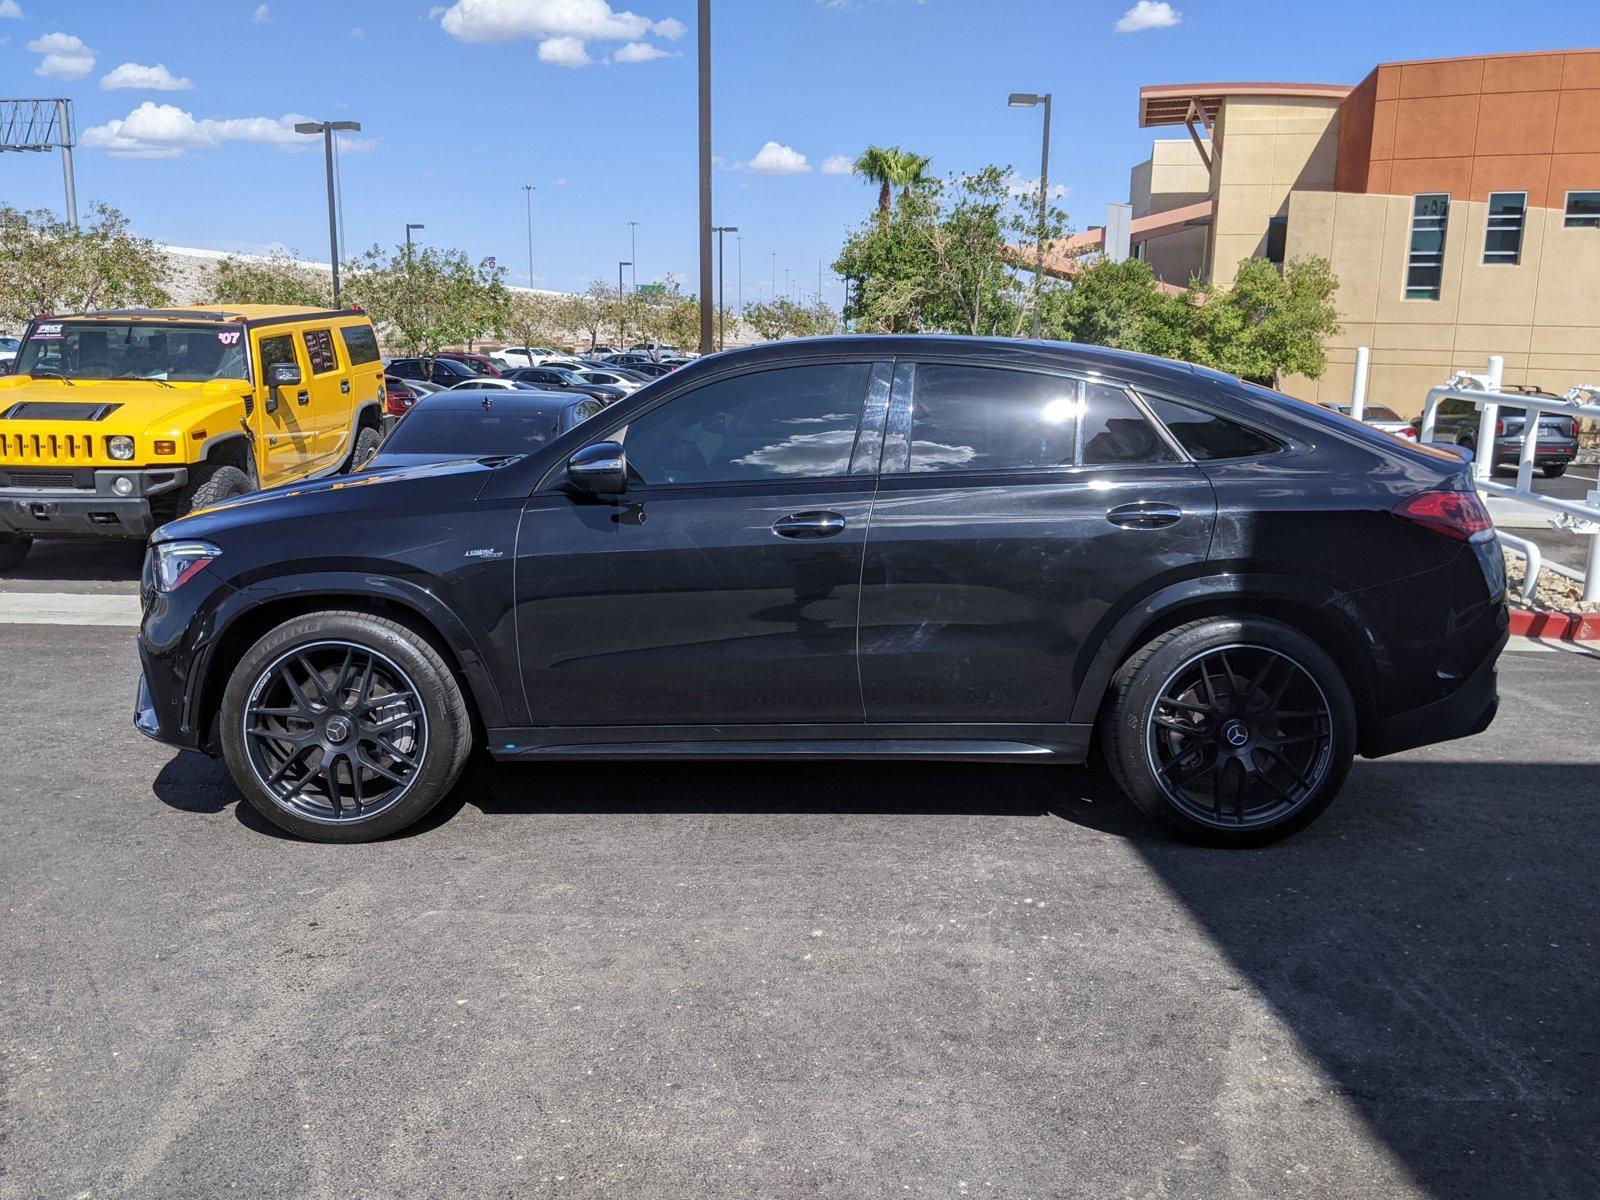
x=719 y=230
x=1030 y=100
x=620 y=338
x=409 y=228
x=633 y=252
x=774 y=276
x=705 y=175
x=327 y=129
x=738 y=254
x=528 y=190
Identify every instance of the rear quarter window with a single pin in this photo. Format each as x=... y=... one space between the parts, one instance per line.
x=1206 y=436
x=361 y=343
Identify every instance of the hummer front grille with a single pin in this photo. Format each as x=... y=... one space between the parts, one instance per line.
x=46 y=447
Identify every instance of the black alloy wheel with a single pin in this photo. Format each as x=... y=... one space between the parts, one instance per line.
x=1240 y=737
x=335 y=732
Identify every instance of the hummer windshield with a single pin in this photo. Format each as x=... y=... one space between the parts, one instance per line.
x=133 y=350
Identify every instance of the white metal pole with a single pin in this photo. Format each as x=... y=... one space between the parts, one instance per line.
x=1591 y=571
x=1483 y=451
x=1358 y=385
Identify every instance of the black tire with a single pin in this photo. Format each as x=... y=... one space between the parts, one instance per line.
x=441 y=747
x=14 y=548
x=1134 y=735
x=366 y=445
x=1554 y=472
x=211 y=483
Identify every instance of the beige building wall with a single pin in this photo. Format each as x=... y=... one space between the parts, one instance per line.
x=1173 y=176
x=1542 y=315
x=1269 y=147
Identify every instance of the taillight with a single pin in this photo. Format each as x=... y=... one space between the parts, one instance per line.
x=1572 y=428
x=396 y=401
x=1499 y=429
x=1458 y=515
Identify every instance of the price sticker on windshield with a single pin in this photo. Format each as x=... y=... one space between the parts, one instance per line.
x=49 y=332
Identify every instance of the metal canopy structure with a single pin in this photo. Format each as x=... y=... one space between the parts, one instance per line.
x=39 y=126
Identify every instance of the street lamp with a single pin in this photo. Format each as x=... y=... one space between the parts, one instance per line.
x=620 y=338
x=528 y=190
x=633 y=252
x=1030 y=100
x=703 y=10
x=409 y=228
x=719 y=230
x=327 y=129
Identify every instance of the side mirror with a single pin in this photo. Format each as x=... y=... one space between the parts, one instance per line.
x=600 y=469
x=281 y=375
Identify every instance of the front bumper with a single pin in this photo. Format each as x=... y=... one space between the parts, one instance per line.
x=87 y=504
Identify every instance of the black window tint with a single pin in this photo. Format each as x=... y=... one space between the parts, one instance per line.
x=486 y=434
x=981 y=419
x=799 y=422
x=319 y=349
x=275 y=350
x=1115 y=431
x=1207 y=436
x=1454 y=408
x=360 y=343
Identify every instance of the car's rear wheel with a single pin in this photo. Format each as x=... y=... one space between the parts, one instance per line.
x=14 y=548
x=344 y=727
x=1230 y=731
x=1554 y=471
x=366 y=445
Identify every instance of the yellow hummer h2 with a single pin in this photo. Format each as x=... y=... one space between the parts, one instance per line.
x=113 y=422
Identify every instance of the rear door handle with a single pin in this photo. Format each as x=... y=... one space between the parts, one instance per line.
x=809 y=525
x=303 y=397
x=1144 y=514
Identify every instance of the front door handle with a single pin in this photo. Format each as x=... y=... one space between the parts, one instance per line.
x=1144 y=514
x=303 y=397
x=809 y=525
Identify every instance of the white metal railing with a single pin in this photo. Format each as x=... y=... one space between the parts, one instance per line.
x=1483 y=392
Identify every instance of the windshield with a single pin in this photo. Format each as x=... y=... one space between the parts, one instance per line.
x=134 y=350
x=9 y=343
x=448 y=432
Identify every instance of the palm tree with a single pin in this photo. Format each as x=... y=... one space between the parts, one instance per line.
x=890 y=167
x=879 y=165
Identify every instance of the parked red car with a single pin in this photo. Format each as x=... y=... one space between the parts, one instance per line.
x=480 y=363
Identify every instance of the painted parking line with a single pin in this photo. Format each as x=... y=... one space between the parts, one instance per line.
x=67 y=608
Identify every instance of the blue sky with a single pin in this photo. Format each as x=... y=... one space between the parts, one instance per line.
x=593 y=103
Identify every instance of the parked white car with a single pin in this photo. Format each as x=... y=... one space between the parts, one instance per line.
x=1379 y=417
x=524 y=356
x=614 y=378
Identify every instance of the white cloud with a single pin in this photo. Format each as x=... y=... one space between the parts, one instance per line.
x=65 y=56
x=1149 y=14
x=557 y=183
x=149 y=79
x=773 y=159
x=10 y=10
x=1017 y=186
x=166 y=131
x=837 y=164
x=638 y=52
x=508 y=20
x=261 y=13
x=564 y=52
x=672 y=29
x=358 y=32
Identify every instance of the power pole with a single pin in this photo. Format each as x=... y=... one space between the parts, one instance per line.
x=705 y=176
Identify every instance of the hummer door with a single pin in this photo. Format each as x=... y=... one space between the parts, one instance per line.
x=284 y=426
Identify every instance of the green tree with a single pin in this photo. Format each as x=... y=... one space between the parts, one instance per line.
x=48 y=266
x=942 y=261
x=430 y=298
x=1120 y=305
x=531 y=318
x=891 y=167
x=783 y=318
x=276 y=279
x=1267 y=323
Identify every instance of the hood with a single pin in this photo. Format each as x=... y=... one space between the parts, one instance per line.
x=399 y=487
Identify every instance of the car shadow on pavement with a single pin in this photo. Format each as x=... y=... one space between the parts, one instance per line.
x=1432 y=941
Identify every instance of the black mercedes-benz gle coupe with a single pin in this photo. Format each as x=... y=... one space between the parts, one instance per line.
x=866 y=547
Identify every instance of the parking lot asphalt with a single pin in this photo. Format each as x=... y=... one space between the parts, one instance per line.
x=807 y=979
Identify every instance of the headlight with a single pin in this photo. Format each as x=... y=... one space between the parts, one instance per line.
x=120 y=448
x=178 y=562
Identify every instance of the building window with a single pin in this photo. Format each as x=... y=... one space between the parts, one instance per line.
x=1502 y=240
x=1583 y=210
x=1277 y=239
x=1430 y=215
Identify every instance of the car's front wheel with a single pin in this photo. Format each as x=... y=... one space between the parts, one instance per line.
x=14 y=548
x=343 y=726
x=1230 y=731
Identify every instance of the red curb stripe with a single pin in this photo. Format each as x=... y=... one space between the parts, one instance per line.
x=1569 y=627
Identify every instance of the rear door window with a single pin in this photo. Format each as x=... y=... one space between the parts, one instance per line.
x=319 y=350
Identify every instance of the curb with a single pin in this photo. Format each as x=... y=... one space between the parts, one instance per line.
x=1567 y=627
